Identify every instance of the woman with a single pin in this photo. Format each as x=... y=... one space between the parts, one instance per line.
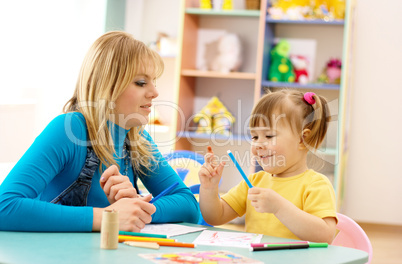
x=90 y=157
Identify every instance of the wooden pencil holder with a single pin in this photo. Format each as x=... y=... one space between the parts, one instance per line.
x=110 y=229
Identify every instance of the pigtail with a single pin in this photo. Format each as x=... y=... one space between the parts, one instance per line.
x=317 y=120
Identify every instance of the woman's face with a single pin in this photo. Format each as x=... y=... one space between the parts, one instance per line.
x=133 y=106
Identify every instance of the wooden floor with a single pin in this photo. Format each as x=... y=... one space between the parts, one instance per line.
x=385 y=239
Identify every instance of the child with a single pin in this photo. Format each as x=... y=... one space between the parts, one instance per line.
x=287 y=199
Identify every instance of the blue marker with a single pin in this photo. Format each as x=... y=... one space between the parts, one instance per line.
x=239 y=169
x=166 y=191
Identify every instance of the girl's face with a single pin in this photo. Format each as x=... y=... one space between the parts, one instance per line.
x=133 y=106
x=278 y=150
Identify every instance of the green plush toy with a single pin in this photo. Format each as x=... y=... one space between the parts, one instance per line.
x=281 y=69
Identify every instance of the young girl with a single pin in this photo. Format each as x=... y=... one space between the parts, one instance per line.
x=90 y=157
x=287 y=199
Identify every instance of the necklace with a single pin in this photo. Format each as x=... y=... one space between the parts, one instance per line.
x=126 y=157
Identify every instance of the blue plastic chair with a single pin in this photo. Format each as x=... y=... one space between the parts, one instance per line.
x=187 y=164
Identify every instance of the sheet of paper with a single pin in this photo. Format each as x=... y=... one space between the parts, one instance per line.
x=194 y=257
x=227 y=239
x=170 y=229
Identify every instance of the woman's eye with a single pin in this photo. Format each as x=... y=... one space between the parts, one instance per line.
x=270 y=136
x=141 y=83
x=254 y=138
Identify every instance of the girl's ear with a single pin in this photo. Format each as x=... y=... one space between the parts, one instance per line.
x=306 y=132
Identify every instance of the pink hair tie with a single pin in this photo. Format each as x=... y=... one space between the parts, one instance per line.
x=309 y=98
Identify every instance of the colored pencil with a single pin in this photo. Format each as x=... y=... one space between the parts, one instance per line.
x=176 y=244
x=151 y=245
x=149 y=239
x=239 y=169
x=126 y=233
x=263 y=244
x=279 y=247
x=295 y=245
x=164 y=192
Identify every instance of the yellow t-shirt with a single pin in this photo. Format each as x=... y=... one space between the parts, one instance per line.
x=310 y=191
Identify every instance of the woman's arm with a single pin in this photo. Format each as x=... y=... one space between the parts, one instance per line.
x=54 y=152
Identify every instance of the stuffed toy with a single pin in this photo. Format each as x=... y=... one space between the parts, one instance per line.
x=300 y=64
x=281 y=69
x=229 y=54
x=332 y=72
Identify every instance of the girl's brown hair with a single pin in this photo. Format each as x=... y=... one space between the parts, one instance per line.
x=291 y=106
x=109 y=67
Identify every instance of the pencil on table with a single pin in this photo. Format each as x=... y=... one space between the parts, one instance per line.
x=139 y=234
x=149 y=239
x=151 y=245
x=176 y=244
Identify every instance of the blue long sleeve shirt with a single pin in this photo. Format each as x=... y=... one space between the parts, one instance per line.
x=54 y=161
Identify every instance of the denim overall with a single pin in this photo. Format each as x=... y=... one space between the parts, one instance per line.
x=77 y=193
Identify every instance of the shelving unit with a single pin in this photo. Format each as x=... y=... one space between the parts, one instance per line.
x=326 y=33
x=239 y=91
x=191 y=80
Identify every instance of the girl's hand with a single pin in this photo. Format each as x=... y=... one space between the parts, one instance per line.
x=264 y=200
x=211 y=172
x=134 y=213
x=116 y=186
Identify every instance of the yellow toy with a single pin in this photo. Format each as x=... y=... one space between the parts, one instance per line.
x=227 y=5
x=205 y=4
x=214 y=118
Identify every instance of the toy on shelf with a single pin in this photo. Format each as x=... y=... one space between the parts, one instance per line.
x=281 y=68
x=332 y=72
x=229 y=57
x=300 y=64
x=253 y=4
x=227 y=5
x=289 y=9
x=327 y=10
x=214 y=118
x=205 y=4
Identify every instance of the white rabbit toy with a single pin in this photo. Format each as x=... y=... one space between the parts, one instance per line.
x=229 y=54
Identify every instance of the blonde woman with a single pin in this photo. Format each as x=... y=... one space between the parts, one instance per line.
x=90 y=157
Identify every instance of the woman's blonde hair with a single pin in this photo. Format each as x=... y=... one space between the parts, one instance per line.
x=109 y=67
x=290 y=105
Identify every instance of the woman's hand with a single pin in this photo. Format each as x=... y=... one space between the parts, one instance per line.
x=134 y=213
x=116 y=186
x=211 y=172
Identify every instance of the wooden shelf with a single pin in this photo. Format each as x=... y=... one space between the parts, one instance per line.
x=211 y=12
x=322 y=86
x=307 y=21
x=212 y=74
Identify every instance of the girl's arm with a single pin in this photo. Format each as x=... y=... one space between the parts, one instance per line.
x=214 y=210
x=180 y=204
x=304 y=225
